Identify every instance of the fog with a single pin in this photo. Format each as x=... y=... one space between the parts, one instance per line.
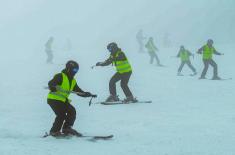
x=27 y=24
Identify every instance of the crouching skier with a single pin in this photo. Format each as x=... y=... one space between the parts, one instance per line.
x=60 y=87
x=124 y=71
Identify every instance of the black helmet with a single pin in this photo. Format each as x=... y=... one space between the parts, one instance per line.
x=72 y=66
x=210 y=41
x=112 y=47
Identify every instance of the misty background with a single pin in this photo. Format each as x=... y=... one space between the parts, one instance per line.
x=27 y=24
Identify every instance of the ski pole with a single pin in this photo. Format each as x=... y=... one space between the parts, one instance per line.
x=90 y=102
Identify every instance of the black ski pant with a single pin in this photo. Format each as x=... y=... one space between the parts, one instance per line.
x=206 y=65
x=65 y=114
x=189 y=65
x=124 y=83
x=153 y=55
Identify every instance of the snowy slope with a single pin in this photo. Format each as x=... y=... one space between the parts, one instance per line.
x=187 y=117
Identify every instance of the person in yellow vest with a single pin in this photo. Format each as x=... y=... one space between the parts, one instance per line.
x=152 y=51
x=60 y=88
x=207 y=52
x=123 y=74
x=184 y=55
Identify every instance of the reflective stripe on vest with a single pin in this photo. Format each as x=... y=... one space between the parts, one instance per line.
x=63 y=92
x=184 y=55
x=122 y=66
x=208 y=52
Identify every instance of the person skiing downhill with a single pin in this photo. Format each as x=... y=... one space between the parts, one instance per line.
x=60 y=88
x=123 y=74
x=184 y=55
x=49 y=51
x=140 y=39
x=207 y=52
x=152 y=51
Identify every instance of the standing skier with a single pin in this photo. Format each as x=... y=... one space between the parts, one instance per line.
x=140 y=39
x=48 y=50
x=207 y=52
x=60 y=88
x=152 y=51
x=124 y=71
x=184 y=55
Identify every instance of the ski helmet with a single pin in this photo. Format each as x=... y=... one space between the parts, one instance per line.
x=112 y=47
x=210 y=41
x=72 y=66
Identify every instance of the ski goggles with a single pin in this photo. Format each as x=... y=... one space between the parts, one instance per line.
x=75 y=70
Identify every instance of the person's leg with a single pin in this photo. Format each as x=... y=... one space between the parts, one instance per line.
x=191 y=66
x=215 y=68
x=181 y=67
x=157 y=59
x=151 y=57
x=69 y=121
x=112 y=83
x=206 y=65
x=60 y=112
x=124 y=84
x=70 y=117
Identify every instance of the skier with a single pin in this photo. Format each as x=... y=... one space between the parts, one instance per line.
x=124 y=71
x=207 y=52
x=49 y=51
x=140 y=38
x=60 y=87
x=152 y=51
x=185 y=59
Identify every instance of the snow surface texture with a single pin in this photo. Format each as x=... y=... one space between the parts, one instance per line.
x=187 y=117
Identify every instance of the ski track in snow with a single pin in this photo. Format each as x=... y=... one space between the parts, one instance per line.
x=187 y=117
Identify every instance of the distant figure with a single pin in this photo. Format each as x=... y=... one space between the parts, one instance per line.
x=152 y=51
x=207 y=52
x=184 y=55
x=49 y=51
x=140 y=39
x=166 y=41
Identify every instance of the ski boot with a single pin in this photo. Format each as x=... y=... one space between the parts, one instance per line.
x=112 y=98
x=194 y=73
x=71 y=131
x=202 y=78
x=216 y=78
x=130 y=99
x=56 y=134
x=179 y=74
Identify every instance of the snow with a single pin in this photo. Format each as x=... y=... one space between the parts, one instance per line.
x=187 y=117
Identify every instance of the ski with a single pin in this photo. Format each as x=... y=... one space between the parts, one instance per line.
x=92 y=138
x=221 y=79
x=122 y=102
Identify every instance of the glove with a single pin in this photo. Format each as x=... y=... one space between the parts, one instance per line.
x=98 y=64
x=88 y=94
x=52 y=89
x=94 y=96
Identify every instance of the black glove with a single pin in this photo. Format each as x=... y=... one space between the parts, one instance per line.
x=94 y=96
x=88 y=94
x=52 y=89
